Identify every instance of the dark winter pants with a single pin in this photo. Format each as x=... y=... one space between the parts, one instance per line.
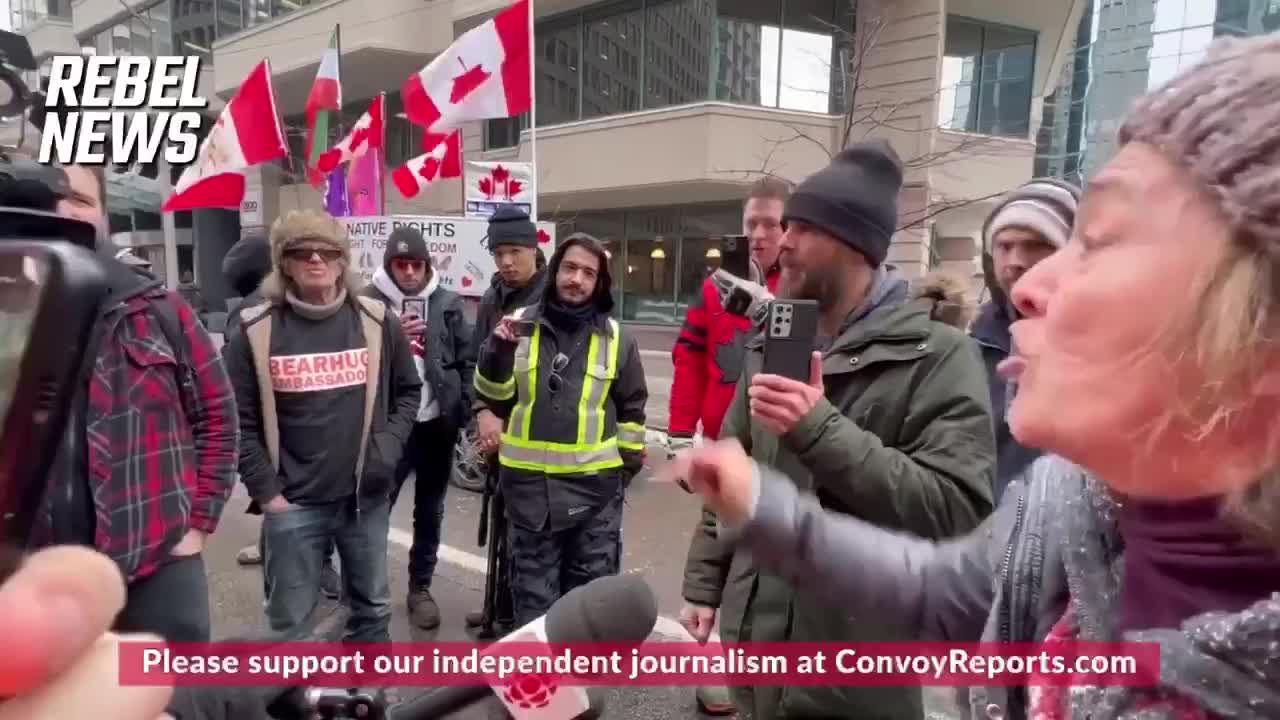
x=296 y=543
x=429 y=456
x=172 y=602
x=546 y=565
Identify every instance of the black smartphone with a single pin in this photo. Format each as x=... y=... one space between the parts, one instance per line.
x=735 y=255
x=522 y=328
x=50 y=294
x=789 y=333
x=414 y=306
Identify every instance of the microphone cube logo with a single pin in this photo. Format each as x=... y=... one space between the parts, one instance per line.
x=531 y=691
x=122 y=110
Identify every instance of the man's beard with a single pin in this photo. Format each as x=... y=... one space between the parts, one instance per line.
x=821 y=285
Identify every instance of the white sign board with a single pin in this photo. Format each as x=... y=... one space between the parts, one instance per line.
x=490 y=185
x=458 y=246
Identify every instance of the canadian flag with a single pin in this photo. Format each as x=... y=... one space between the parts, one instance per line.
x=484 y=74
x=365 y=134
x=247 y=132
x=444 y=161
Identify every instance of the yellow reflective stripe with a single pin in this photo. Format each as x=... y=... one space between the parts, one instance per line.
x=586 y=408
x=494 y=390
x=526 y=382
x=631 y=436
x=532 y=380
x=552 y=457
x=611 y=372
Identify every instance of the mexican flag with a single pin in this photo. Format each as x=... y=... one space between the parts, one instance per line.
x=322 y=108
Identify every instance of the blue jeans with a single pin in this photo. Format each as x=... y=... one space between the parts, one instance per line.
x=429 y=456
x=296 y=544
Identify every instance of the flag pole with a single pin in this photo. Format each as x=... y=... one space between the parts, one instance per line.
x=337 y=41
x=533 y=122
x=462 y=171
x=382 y=156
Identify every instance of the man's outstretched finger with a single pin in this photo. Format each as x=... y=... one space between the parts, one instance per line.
x=51 y=610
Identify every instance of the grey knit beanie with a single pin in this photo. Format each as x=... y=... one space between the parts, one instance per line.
x=1045 y=206
x=1219 y=119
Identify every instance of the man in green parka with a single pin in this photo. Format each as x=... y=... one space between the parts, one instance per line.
x=893 y=427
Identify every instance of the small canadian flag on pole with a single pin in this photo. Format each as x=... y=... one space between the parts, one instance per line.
x=444 y=161
x=248 y=132
x=484 y=74
x=365 y=134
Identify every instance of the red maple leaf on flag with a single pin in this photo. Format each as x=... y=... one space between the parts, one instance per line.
x=486 y=187
x=466 y=82
x=430 y=167
x=513 y=188
x=544 y=237
x=499 y=174
x=359 y=137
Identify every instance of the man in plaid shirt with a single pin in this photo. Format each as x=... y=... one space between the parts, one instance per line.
x=151 y=446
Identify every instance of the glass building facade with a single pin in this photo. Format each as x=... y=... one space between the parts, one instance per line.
x=638 y=55
x=1122 y=49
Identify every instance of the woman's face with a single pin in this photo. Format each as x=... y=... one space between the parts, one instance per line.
x=1092 y=376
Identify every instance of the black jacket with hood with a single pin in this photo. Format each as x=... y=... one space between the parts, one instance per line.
x=991 y=331
x=446 y=362
x=499 y=300
x=549 y=500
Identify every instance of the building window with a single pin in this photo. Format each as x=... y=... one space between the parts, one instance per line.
x=558 y=65
x=643 y=54
x=678 y=51
x=986 y=78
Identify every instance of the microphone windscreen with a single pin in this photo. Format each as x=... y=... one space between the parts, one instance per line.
x=615 y=608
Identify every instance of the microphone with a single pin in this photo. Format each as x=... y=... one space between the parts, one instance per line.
x=614 y=609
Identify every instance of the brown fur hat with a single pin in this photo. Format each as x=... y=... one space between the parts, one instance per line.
x=949 y=293
x=296 y=227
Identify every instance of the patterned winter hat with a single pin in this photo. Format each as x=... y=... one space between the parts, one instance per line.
x=1218 y=120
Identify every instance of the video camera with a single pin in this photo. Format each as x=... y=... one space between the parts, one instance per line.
x=29 y=191
x=51 y=284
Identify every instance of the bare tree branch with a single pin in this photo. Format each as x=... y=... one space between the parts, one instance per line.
x=937 y=207
x=870 y=112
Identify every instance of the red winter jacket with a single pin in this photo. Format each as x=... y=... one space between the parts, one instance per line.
x=708 y=362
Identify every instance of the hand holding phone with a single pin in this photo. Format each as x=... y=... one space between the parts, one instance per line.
x=413 y=317
x=790 y=384
x=512 y=329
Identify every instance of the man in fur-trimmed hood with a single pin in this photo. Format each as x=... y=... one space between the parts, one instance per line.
x=327 y=391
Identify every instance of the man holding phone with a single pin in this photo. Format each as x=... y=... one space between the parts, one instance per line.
x=432 y=320
x=567 y=380
x=892 y=425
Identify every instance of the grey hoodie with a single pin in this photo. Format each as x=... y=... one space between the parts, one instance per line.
x=1050 y=540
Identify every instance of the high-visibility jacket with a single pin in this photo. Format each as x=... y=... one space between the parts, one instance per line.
x=568 y=451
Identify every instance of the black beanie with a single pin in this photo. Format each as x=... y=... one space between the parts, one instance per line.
x=406 y=241
x=247 y=263
x=511 y=226
x=855 y=198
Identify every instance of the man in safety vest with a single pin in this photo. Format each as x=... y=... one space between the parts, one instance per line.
x=569 y=385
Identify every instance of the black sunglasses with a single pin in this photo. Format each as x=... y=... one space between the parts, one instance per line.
x=558 y=364
x=305 y=254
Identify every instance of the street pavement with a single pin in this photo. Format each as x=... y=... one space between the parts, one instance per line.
x=658 y=520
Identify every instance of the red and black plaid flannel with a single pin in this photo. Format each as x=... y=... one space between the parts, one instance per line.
x=161 y=440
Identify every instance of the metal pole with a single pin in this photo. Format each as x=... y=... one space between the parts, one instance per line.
x=170 y=228
x=533 y=120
